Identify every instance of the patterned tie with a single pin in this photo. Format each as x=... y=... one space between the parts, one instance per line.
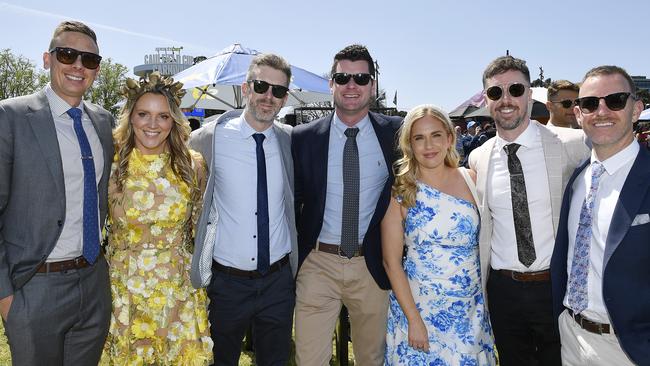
x=263 y=255
x=523 y=231
x=578 y=298
x=350 y=223
x=90 y=221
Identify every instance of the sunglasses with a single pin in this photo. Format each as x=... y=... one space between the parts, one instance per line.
x=343 y=78
x=496 y=92
x=261 y=86
x=566 y=103
x=68 y=56
x=615 y=102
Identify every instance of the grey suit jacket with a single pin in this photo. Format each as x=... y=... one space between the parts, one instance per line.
x=202 y=140
x=32 y=193
x=564 y=149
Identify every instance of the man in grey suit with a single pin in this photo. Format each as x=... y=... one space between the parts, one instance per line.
x=55 y=157
x=521 y=174
x=246 y=235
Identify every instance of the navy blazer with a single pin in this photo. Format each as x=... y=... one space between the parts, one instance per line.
x=310 y=147
x=626 y=267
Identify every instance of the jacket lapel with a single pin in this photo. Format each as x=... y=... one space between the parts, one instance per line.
x=635 y=186
x=552 y=147
x=321 y=150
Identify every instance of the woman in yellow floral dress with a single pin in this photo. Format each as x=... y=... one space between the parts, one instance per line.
x=154 y=196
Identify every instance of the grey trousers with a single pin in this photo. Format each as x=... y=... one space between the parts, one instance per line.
x=61 y=318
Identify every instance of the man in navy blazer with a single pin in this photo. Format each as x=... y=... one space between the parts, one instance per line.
x=328 y=275
x=599 y=268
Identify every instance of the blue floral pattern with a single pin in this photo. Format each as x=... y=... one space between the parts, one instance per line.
x=443 y=270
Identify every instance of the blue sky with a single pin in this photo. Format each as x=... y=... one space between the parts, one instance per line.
x=430 y=51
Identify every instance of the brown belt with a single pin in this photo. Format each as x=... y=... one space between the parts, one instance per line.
x=336 y=249
x=250 y=274
x=539 y=276
x=590 y=326
x=77 y=263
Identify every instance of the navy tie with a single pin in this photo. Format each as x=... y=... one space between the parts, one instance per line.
x=263 y=255
x=351 y=181
x=90 y=221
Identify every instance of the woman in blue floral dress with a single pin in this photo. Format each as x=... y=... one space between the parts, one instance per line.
x=437 y=313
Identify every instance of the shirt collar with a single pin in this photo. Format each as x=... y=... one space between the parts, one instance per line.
x=528 y=138
x=247 y=131
x=339 y=127
x=58 y=106
x=620 y=159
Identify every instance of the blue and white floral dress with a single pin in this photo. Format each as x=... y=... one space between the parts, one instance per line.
x=442 y=267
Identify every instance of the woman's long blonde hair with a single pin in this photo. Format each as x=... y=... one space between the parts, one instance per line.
x=179 y=154
x=406 y=167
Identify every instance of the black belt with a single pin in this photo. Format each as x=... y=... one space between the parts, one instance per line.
x=250 y=274
x=590 y=326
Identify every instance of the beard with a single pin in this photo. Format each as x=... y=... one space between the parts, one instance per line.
x=261 y=115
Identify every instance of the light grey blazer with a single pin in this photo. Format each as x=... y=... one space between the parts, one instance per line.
x=32 y=192
x=202 y=140
x=564 y=149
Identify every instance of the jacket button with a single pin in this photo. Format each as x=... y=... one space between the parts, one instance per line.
x=60 y=223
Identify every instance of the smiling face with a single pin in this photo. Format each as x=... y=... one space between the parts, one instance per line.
x=70 y=82
x=430 y=142
x=352 y=101
x=510 y=113
x=261 y=109
x=152 y=122
x=609 y=131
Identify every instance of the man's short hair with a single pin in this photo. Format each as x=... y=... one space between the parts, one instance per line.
x=72 y=26
x=503 y=64
x=611 y=70
x=354 y=52
x=558 y=85
x=270 y=60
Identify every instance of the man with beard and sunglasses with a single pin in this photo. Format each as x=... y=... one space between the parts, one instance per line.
x=521 y=174
x=343 y=178
x=245 y=248
x=601 y=282
x=56 y=152
x=561 y=95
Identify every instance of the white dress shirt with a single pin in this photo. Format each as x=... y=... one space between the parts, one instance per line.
x=504 y=241
x=617 y=167
x=373 y=173
x=70 y=243
x=235 y=195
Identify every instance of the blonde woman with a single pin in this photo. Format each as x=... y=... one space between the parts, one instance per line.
x=155 y=192
x=437 y=313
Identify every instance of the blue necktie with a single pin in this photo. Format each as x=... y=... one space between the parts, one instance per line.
x=263 y=255
x=578 y=291
x=90 y=221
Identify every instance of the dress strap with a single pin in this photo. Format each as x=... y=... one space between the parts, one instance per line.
x=470 y=183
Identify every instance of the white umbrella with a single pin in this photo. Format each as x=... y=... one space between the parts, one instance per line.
x=645 y=115
x=216 y=82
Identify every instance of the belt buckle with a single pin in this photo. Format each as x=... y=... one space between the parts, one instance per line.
x=77 y=262
x=340 y=252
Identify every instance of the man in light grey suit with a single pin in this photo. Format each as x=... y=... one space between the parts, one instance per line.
x=55 y=154
x=521 y=174
x=245 y=248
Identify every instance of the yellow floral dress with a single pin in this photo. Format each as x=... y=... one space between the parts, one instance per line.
x=158 y=317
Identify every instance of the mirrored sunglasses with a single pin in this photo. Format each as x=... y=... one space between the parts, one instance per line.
x=496 y=92
x=342 y=78
x=261 y=86
x=615 y=102
x=68 y=56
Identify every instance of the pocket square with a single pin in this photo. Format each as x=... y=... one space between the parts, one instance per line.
x=641 y=219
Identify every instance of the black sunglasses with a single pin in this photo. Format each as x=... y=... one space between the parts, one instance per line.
x=68 y=56
x=615 y=102
x=566 y=103
x=261 y=86
x=496 y=92
x=343 y=78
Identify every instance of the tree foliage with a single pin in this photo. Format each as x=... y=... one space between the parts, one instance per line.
x=105 y=91
x=18 y=75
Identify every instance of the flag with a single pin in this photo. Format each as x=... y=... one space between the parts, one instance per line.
x=395 y=98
